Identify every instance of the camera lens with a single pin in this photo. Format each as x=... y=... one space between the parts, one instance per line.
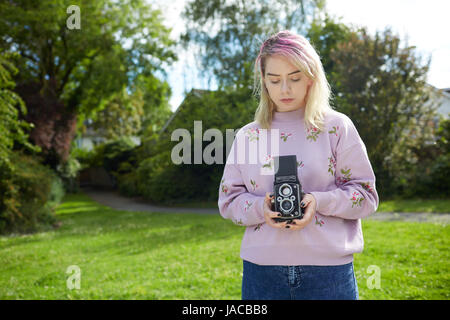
x=286 y=205
x=286 y=190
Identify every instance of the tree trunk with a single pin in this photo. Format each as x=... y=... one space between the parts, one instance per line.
x=54 y=126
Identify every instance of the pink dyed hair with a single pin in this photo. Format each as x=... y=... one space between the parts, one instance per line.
x=302 y=54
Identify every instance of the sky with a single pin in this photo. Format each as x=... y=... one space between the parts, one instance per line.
x=420 y=23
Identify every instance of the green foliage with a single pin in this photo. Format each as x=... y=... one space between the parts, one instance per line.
x=229 y=53
x=118 y=157
x=116 y=152
x=65 y=76
x=156 y=96
x=156 y=172
x=92 y=62
x=83 y=156
x=324 y=35
x=127 y=183
x=68 y=172
x=29 y=193
x=28 y=190
x=382 y=87
x=120 y=116
x=430 y=174
x=148 y=172
x=13 y=130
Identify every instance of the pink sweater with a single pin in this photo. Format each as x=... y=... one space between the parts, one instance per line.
x=332 y=165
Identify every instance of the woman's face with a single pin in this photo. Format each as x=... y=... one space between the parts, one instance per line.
x=286 y=84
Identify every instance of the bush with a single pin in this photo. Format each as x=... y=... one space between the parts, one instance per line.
x=161 y=181
x=30 y=192
x=68 y=172
x=128 y=184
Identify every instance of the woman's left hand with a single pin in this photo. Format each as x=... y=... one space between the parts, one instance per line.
x=310 y=209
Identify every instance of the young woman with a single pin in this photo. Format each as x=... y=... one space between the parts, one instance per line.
x=310 y=258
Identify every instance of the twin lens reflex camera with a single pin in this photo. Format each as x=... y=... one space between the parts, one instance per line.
x=287 y=190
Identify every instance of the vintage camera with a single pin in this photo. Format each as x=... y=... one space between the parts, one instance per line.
x=287 y=190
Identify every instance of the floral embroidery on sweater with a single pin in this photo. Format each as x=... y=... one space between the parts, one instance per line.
x=312 y=134
x=347 y=174
x=223 y=186
x=258 y=226
x=334 y=131
x=268 y=166
x=319 y=222
x=285 y=136
x=331 y=165
x=247 y=205
x=254 y=185
x=367 y=186
x=356 y=199
x=252 y=134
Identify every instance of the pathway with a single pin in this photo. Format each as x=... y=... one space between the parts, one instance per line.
x=116 y=201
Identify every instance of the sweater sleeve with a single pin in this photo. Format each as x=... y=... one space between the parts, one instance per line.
x=235 y=201
x=355 y=196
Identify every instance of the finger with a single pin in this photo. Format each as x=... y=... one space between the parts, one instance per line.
x=298 y=224
x=305 y=201
x=274 y=214
x=284 y=225
x=309 y=211
x=270 y=213
x=276 y=224
x=268 y=197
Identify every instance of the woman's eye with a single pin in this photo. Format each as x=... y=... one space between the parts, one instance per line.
x=277 y=81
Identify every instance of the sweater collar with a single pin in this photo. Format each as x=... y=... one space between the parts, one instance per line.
x=288 y=116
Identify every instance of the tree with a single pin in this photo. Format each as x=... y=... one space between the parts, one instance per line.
x=382 y=87
x=324 y=35
x=12 y=129
x=25 y=185
x=64 y=75
x=156 y=95
x=120 y=116
x=229 y=33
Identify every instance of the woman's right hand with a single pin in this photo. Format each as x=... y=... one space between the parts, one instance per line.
x=269 y=214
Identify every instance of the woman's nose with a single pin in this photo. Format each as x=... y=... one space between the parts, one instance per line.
x=285 y=86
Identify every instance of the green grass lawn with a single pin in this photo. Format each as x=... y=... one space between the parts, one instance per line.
x=133 y=255
x=415 y=205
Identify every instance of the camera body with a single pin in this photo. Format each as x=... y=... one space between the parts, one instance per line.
x=287 y=190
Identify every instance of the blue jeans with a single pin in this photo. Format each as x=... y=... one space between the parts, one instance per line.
x=299 y=282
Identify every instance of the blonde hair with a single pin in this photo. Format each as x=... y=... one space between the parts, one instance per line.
x=301 y=54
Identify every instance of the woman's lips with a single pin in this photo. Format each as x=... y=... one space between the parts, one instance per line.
x=287 y=100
